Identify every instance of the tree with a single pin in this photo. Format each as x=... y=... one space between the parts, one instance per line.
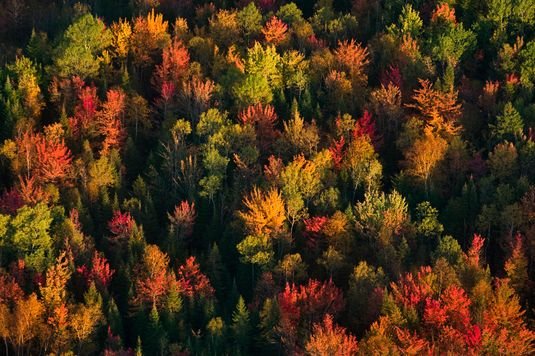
x=54 y=291
x=25 y=83
x=353 y=58
x=256 y=250
x=361 y=165
x=182 y=220
x=111 y=121
x=330 y=339
x=81 y=47
x=152 y=281
x=30 y=236
x=192 y=281
x=26 y=322
x=503 y=324
x=509 y=125
x=53 y=159
x=149 y=37
x=265 y=212
x=439 y=110
x=250 y=19
x=275 y=31
x=100 y=273
x=516 y=267
x=423 y=157
x=241 y=325
x=174 y=66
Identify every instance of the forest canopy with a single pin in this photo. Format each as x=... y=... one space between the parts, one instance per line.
x=190 y=177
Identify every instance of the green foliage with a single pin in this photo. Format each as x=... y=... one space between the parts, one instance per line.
x=81 y=48
x=256 y=250
x=30 y=236
x=250 y=19
x=241 y=326
x=509 y=124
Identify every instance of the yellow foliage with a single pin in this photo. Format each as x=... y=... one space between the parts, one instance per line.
x=265 y=212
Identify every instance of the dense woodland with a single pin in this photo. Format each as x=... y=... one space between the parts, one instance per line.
x=267 y=177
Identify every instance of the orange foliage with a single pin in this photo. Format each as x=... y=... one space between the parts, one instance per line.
x=265 y=212
x=275 y=31
x=111 y=121
x=353 y=57
x=440 y=110
x=445 y=12
x=329 y=339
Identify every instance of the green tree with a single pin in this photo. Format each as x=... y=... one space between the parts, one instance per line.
x=241 y=326
x=250 y=19
x=81 y=48
x=30 y=236
x=509 y=125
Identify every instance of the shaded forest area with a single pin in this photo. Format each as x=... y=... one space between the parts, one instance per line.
x=267 y=177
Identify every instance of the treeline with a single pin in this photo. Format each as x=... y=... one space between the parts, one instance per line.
x=269 y=177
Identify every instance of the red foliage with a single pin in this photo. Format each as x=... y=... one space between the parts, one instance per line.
x=434 y=313
x=312 y=300
x=273 y=169
x=410 y=291
x=512 y=79
x=192 y=281
x=337 y=151
x=121 y=225
x=352 y=56
x=315 y=42
x=474 y=253
x=10 y=201
x=315 y=223
x=392 y=76
x=473 y=338
x=85 y=112
x=100 y=272
x=174 y=66
x=10 y=291
x=167 y=91
x=365 y=126
x=264 y=119
x=313 y=227
x=31 y=192
x=151 y=289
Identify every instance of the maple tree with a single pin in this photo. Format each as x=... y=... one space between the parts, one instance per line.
x=328 y=338
x=275 y=31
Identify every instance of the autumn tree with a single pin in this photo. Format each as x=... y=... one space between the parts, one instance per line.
x=328 y=338
x=439 y=110
x=265 y=212
x=149 y=36
x=423 y=157
x=111 y=121
x=275 y=31
x=152 y=279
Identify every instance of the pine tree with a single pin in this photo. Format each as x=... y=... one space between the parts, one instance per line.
x=241 y=326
